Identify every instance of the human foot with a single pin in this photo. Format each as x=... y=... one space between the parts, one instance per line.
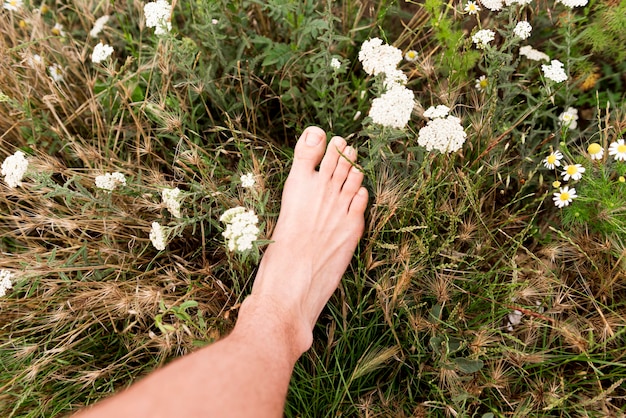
x=319 y=226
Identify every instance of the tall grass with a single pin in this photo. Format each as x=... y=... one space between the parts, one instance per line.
x=470 y=293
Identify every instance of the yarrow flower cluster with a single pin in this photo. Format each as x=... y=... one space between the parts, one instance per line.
x=493 y=5
x=573 y=3
x=158 y=14
x=569 y=118
x=377 y=58
x=158 y=237
x=443 y=133
x=110 y=181
x=101 y=52
x=98 y=26
x=394 y=107
x=522 y=29
x=241 y=228
x=335 y=63
x=533 y=54
x=554 y=71
x=13 y=169
x=483 y=37
x=247 y=180
x=5 y=281
x=171 y=200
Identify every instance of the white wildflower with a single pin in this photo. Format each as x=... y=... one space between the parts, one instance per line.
x=393 y=108
x=5 y=281
x=553 y=160
x=335 y=63
x=58 y=29
x=13 y=5
x=522 y=29
x=493 y=5
x=241 y=228
x=573 y=171
x=101 y=52
x=98 y=26
x=554 y=71
x=13 y=169
x=573 y=3
x=34 y=60
x=171 y=200
x=158 y=14
x=564 y=196
x=433 y=112
x=471 y=7
x=442 y=134
x=378 y=58
x=410 y=55
x=56 y=72
x=110 y=181
x=569 y=118
x=514 y=318
x=481 y=83
x=533 y=54
x=158 y=236
x=394 y=77
x=595 y=150
x=618 y=150
x=214 y=21
x=247 y=180
x=483 y=37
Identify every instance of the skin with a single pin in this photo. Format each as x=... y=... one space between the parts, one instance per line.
x=247 y=373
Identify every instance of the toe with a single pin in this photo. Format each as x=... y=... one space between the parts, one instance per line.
x=327 y=167
x=353 y=182
x=359 y=203
x=344 y=165
x=309 y=150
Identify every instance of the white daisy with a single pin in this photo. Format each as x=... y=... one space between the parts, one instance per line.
x=471 y=7
x=618 y=150
x=573 y=171
x=595 y=150
x=564 y=196
x=553 y=160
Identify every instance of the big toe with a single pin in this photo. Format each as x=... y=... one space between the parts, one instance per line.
x=309 y=150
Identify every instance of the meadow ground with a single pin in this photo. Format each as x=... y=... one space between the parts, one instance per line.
x=490 y=280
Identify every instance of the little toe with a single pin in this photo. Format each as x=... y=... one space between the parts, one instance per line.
x=327 y=167
x=309 y=150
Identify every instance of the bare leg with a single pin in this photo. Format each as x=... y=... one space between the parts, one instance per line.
x=247 y=373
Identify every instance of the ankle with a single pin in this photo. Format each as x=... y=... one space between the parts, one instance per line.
x=262 y=314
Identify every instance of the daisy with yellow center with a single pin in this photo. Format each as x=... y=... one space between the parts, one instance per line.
x=471 y=7
x=553 y=160
x=13 y=5
x=564 y=196
x=57 y=30
x=618 y=150
x=481 y=83
x=595 y=150
x=410 y=55
x=573 y=171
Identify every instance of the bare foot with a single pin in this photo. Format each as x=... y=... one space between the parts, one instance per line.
x=319 y=226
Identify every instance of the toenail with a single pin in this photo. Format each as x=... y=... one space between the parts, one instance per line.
x=312 y=139
x=339 y=141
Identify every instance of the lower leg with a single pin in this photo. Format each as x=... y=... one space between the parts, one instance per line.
x=248 y=372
